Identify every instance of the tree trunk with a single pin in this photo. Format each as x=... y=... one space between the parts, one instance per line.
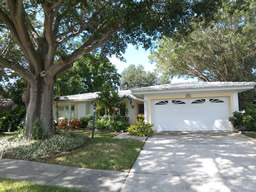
x=39 y=116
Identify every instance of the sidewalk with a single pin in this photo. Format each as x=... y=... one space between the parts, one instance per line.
x=56 y=175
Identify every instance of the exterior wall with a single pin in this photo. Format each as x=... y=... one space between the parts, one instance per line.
x=81 y=110
x=130 y=106
x=88 y=108
x=235 y=102
x=233 y=97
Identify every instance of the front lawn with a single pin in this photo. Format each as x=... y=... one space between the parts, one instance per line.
x=253 y=135
x=20 y=186
x=101 y=153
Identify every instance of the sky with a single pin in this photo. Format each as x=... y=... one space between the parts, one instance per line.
x=137 y=57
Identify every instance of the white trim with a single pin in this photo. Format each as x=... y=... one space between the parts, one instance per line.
x=146 y=110
x=192 y=90
x=235 y=102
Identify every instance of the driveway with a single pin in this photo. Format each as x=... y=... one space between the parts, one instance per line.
x=195 y=163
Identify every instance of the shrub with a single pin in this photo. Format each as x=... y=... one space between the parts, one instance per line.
x=245 y=121
x=85 y=120
x=237 y=120
x=102 y=124
x=119 y=123
x=141 y=128
x=18 y=147
x=62 y=124
x=140 y=117
x=75 y=124
x=12 y=120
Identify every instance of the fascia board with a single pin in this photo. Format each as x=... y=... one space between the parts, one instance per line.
x=239 y=89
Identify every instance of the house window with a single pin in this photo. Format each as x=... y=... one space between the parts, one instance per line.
x=66 y=112
x=141 y=108
x=161 y=103
x=216 y=101
x=198 y=101
x=178 y=102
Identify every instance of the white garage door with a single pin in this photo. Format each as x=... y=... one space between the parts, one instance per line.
x=200 y=114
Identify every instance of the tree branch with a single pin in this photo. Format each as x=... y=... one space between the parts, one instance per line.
x=17 y=68
x=49 y=35
x=6 y=20
x=91 y=44
x=17 y=16
x=57 y=5
x=92 y=19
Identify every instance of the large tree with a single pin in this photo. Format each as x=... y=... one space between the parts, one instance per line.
x=136 y=76
x=88 y=74
x=223 y=51
x=52 y=34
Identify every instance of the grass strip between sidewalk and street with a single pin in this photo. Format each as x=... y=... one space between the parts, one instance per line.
x=11 y=185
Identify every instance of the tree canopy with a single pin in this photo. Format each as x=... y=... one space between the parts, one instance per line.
x=136 y=76
x=88 y=74
x=52 y=34
x=223 y=51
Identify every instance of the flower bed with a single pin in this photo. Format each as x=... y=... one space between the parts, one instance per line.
x=65 y=124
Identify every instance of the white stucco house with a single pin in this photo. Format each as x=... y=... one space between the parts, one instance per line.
x=200 y=106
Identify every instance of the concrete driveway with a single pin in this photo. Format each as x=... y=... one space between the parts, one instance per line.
x=195 y=163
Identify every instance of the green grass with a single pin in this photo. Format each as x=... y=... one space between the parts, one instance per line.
x=101 y=153
x=253 y=135
x=10 y=185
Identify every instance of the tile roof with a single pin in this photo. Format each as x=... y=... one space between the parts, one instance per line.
x=91 y=96
x=165 y=87
x=194 y=85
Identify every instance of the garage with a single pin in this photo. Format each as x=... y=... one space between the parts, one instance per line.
x=192 y=106
x=197 y=114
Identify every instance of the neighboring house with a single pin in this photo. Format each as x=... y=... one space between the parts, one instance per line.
x=201 y=106
x=79 y=105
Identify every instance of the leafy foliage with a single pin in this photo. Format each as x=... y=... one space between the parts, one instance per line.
x=75 y=124
x=85 y=120
x=237 y=120
x=141 y=128
x=18 y=147
x=109 y=99
x=223 y=51
x=12 y=120
x=136 y=76
x=88 y=74
x=52 y=35
x=140 y=117
x=72 y=124
x=117 y=124
x=245 y=121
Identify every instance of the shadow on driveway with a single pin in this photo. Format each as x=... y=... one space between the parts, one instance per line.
x=195 y=163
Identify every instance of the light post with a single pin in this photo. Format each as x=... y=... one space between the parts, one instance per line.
x=93 y=122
